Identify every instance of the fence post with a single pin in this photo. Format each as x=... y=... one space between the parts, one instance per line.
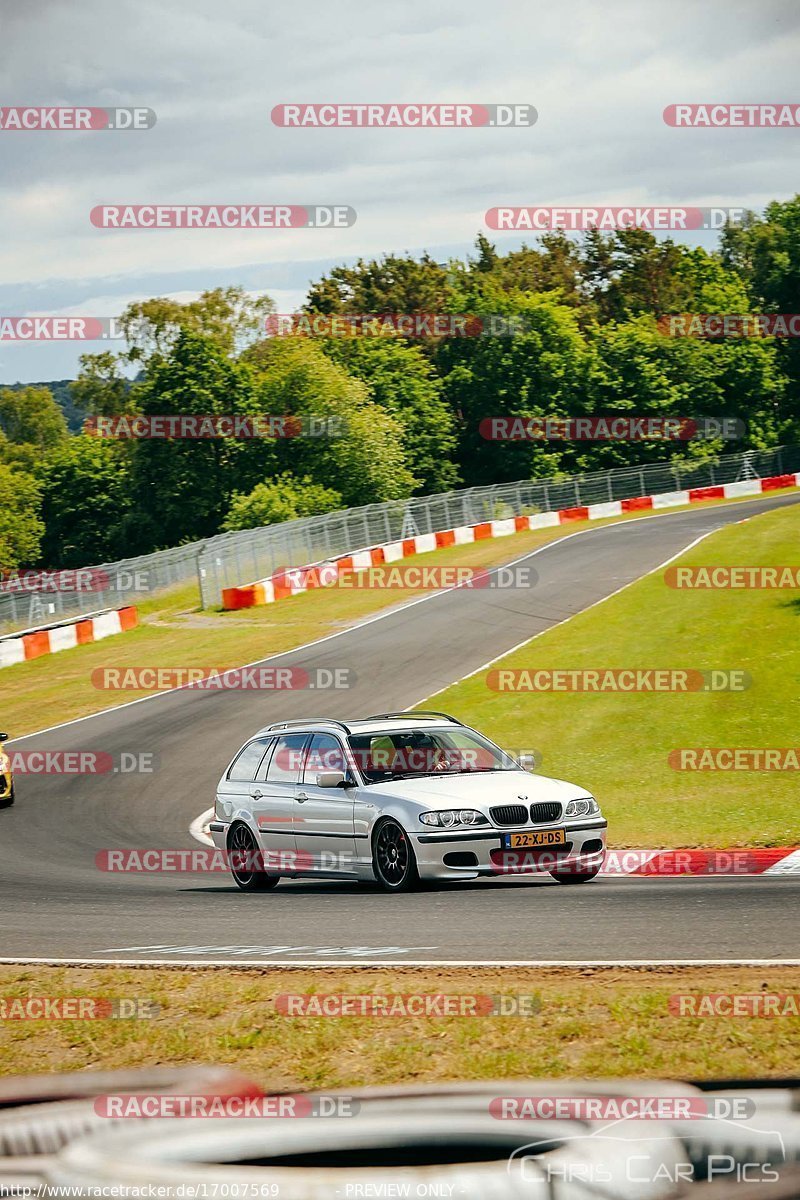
x=200 y=578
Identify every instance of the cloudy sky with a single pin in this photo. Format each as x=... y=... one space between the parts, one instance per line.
x=599 y=75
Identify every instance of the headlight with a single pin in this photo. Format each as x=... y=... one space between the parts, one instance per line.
x=581 y=808
x=449 y=817
x=4 y=762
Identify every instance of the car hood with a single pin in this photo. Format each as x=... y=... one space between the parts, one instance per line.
x=479 y=790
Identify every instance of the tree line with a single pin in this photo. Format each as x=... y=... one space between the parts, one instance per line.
x=585 y=340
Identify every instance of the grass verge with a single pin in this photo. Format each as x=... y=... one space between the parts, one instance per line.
x=174 y=633
x=617 y=744
x=592 y=1023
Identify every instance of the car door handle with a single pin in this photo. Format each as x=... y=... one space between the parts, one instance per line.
x=256 y=795
x=301 y=796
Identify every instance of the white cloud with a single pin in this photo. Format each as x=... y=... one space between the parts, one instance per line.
x=600 y=76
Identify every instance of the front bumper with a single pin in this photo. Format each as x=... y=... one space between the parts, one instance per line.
x=469 y=852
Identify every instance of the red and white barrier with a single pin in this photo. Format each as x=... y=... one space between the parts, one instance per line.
x=33 y=643
x=301 y=579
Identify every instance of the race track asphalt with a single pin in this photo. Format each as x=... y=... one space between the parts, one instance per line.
x=56 y=904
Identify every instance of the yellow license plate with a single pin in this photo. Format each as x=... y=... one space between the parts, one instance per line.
x=536 y=837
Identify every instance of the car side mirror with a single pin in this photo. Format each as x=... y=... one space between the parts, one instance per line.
x=3 y=737
x=527 y=762
x=332 y=779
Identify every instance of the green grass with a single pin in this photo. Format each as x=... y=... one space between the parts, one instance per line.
x=617 y=745
x=590 y=1024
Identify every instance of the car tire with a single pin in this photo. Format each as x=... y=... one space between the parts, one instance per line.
x=394 y=863
x=572 y=877
x=241 y=839
x=8 y=800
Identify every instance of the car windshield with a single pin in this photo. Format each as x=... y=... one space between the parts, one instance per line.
x=408 y=753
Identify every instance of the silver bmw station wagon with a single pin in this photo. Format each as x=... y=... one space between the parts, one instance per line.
x=395 y=799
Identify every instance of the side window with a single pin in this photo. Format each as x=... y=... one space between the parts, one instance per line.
x=287 y=759
x=324 y=754
x=243 y=768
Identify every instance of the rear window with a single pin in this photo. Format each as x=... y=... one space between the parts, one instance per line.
x=244 y=766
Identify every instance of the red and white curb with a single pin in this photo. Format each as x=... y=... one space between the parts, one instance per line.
x=48 y=639
x=772 y=860
x=295 y=580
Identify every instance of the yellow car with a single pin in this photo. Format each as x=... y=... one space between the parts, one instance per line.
x=6 y=778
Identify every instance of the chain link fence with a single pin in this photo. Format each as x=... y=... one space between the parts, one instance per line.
x=230 y=559
x=39 y=600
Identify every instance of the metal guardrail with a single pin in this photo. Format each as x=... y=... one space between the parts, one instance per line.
x=230 y=559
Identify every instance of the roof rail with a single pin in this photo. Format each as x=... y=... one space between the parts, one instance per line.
x=309 y=721
x=420 y=712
